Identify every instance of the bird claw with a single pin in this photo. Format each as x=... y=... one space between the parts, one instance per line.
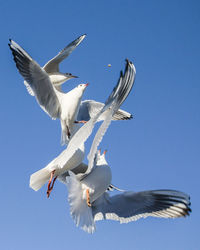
x=50 y=187
x=88 y=198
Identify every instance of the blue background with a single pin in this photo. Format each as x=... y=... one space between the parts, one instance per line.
x=158 y=148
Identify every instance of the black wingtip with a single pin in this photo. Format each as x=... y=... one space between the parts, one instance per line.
x=83 y=35
x=127 y=61
x=10 y=40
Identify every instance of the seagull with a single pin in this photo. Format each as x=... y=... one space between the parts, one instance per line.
x=60 y=164
x=52 y=66
x=84 y=189
x=90 y=200
x=56 y=104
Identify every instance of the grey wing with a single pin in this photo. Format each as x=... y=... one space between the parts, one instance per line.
x=131 y=206
x=53 y=65
x=89 y=108
x=113 y=103
x=38 y=80
x=80 y=169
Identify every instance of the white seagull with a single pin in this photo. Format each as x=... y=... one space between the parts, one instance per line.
x=90 y=201
x=56 y=104
x=84 y=189
x=60 y=164
x=52 y=66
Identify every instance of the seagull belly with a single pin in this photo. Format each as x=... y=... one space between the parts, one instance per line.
x=97 y=181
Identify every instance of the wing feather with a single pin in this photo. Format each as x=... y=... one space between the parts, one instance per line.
x=131 y=206
x=125 y=85
x=37 y=79
x=53 y=65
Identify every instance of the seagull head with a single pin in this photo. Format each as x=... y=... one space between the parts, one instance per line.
x=70 y=76
x=82 y=86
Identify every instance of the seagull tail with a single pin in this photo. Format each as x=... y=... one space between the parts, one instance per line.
x=80 y=212
x=39 y=178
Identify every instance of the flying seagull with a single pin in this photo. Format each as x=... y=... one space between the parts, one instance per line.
x=52 y=66
x=60 y=164
x=84 y=189
x=90 y=201
x=56 y=104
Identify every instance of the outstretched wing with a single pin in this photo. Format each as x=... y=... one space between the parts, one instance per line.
x=89 y=108
x=38 y=80
x=53 y=65
x=131 y=206
x=85 y=131
x=116 y=99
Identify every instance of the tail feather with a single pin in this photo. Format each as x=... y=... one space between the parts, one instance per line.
x=80 y=212
x=39 y=178
x=122 y=115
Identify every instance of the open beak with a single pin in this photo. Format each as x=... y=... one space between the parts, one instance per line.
x=86 y=84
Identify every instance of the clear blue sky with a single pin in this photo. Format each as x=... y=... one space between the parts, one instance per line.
x=159 y=148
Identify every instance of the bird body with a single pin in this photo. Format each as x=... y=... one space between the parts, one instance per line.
x=69 y=103
x=95 y=183
x=98 y=180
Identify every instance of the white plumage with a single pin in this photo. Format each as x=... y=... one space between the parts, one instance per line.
x=97 y=181
x=52 y=66
x=56 y=104
x=124 y=207
x=73 y=155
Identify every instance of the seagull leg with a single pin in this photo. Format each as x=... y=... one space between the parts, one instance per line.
x=50 y=187
x=88 y=198
x=80 y=122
